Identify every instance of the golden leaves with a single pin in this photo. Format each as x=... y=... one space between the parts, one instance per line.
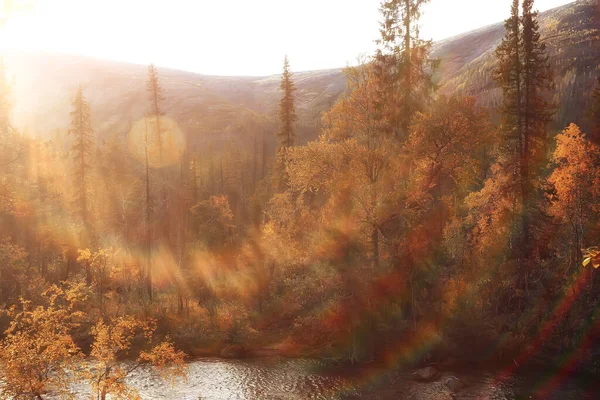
x=117 y=337
x=167 y=360
x=591 y=255
x=38 y=354
x=575 y=178
x=37 y=351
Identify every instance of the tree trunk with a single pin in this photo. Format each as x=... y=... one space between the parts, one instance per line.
x=148 y=229
x=375 y=246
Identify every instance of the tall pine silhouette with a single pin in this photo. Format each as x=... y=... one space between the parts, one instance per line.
x=287 y=118
x=509 y=75
x=523 y=73
x=155 y=97
x=537 y=112
x=401 y=65
x=148 y=216
x=287 y=108
x=83 y=144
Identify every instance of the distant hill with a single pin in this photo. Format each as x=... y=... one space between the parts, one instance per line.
x=572 y=35
x=213 y=108
x=209 y=107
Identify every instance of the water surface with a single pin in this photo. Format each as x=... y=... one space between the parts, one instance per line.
x=277 y=378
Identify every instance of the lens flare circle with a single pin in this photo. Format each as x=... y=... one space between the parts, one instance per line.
x=162 y=138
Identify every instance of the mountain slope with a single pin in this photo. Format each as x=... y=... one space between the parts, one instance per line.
x=205 y=106
x=213 y=109
x=572 y=36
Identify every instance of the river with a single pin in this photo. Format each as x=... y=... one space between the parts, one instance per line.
x=290 y=379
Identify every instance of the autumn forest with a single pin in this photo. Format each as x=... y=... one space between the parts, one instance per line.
x=421 y=225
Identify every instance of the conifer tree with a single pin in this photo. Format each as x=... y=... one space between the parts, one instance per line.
x=287 y=109
x=401 y=64
x=83 y=144
x=523 y=73
x=537 y=110
x=508 y=75
x=287 y=117
x=148 y=208
x=161 y=198
x=155 y=96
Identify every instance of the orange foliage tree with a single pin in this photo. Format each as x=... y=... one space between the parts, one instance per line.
x=100 y=266
x=356 y=121
x=37 y=353
x=107 y=374
x=575 y=181
x=448 y=149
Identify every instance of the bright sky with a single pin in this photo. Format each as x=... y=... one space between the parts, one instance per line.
x=231 y=37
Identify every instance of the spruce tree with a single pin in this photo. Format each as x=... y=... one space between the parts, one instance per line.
x=523 y=73
x=537 y=111
x=148 y=211
x=401 y=65
x=287 y=118
x=287 y=109
x=508 y=75
x=155 y=96
x=83 y=144
x=161 y=197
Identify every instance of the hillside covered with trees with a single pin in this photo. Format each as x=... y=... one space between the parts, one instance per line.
x=435 y=202
x=215 y=108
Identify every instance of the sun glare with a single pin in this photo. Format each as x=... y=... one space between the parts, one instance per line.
x=325 y=199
